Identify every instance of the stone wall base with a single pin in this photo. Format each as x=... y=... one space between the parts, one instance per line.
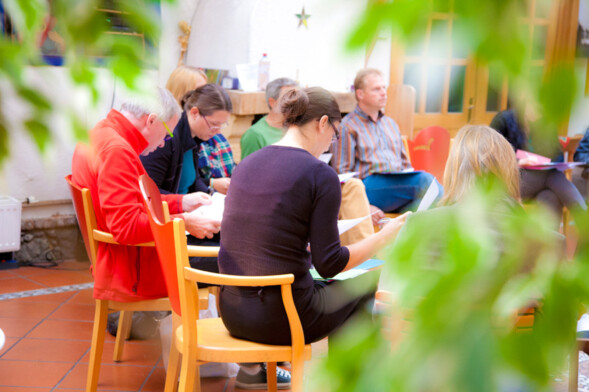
x=50 y=240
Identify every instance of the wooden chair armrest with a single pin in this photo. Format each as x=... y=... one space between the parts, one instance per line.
x=102 y=236
x=236 y=280
x=203 y=251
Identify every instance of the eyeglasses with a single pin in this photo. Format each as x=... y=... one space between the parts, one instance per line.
x=170 y=135
x=216 y=127
x=335 y=131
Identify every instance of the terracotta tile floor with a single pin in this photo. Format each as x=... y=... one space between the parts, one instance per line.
x=48 y=339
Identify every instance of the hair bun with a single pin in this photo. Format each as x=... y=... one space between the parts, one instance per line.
x=293 y=106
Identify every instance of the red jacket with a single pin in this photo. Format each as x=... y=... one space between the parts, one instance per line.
x=110 y=168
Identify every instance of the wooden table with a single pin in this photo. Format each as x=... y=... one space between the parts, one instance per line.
x=246 y=105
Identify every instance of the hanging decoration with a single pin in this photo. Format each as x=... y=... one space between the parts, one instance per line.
x=303 y=17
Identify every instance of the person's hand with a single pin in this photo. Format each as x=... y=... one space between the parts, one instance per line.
x=391 y=228
x=221 y=184
x=376 y=214
x=194 y=200
x=201 y=226
x=527 y=161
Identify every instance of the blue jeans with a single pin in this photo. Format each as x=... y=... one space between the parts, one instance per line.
x=397 y=192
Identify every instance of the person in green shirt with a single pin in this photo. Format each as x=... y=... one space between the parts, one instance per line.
x=268 y=130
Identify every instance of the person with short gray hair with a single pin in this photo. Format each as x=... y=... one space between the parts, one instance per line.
x=163 y=105
x=269 y=129
x=110 y=168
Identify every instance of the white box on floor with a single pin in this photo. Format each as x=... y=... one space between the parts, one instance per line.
x=10 y=213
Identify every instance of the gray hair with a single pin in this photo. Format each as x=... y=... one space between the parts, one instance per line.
x=273 y=88
x=163 y=104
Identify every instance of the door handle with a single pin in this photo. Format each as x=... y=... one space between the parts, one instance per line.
x=470 y=109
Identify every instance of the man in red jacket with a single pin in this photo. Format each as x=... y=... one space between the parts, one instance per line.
x=110 y=168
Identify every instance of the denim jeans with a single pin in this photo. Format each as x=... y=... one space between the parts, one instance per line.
x=395 y=192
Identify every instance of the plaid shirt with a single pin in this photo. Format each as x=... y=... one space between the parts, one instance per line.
x=369 y=147
x=215 y=158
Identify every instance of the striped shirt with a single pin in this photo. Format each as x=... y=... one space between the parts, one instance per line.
x=369 y=147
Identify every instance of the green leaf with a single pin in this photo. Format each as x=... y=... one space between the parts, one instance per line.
x=35 y=98
x=39 y=131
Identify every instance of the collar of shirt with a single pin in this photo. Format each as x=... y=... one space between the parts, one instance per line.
x=127 y=130
x=365 y=116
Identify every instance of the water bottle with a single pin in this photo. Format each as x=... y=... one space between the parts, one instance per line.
x=263 y=72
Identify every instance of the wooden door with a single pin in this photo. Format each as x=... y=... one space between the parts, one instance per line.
x=451 y=89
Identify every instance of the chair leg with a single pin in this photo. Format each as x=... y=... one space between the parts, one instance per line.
x=98 y=332
x=173 y=359
x=189 y=373
x=271 y=376
x=574 y=369
x=123 y=333
x=296 y=375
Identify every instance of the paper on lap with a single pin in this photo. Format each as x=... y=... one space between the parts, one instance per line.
x=215 y=209
x=533 y=159
x=346 y=176
x=429 y=197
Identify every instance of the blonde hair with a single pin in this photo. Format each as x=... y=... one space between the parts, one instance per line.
x=479 y=151
x=184 y=79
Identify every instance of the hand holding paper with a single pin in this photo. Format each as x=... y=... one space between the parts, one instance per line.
x=215 y=209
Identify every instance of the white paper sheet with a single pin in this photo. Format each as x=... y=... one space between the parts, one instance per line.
x=344 y=225
x=429 y=197
x=248 y=76
x=325 y=157
x=215 y=209
x=346 y=176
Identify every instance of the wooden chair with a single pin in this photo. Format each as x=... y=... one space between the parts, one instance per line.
x=201 y=341
x=395 y=323
x=429 y=150
x=568 y=151
x=84 y=208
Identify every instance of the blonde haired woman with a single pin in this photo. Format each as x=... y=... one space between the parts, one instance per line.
x=183 y=79
x=479 y=151
x=479 y=155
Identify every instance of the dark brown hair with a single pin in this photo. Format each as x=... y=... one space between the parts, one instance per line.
x=208 y=99
x=302 y=106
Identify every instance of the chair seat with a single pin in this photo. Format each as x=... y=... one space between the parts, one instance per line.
x=159 y=304
x=217 y=345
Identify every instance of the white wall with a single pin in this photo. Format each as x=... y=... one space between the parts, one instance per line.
x=224 y=33
x=230 y=32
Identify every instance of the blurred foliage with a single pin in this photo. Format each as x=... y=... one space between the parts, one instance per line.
x=459 y=275
x=82 y=26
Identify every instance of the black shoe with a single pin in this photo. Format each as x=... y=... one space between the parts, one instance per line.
x=260 y=379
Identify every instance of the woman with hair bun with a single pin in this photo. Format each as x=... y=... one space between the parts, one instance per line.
x=281 y=217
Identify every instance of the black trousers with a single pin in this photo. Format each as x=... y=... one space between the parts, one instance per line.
x=258 y=314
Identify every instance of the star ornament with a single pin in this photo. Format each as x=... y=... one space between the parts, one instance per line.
x=303 y=17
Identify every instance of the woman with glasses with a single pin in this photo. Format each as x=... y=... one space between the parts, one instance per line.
x=282 y=202
x=174 y=167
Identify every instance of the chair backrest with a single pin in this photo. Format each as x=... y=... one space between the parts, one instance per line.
x=401 y=106
x=171 y=245
x=429 y=150
x=82 y=201
x=157 y=213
